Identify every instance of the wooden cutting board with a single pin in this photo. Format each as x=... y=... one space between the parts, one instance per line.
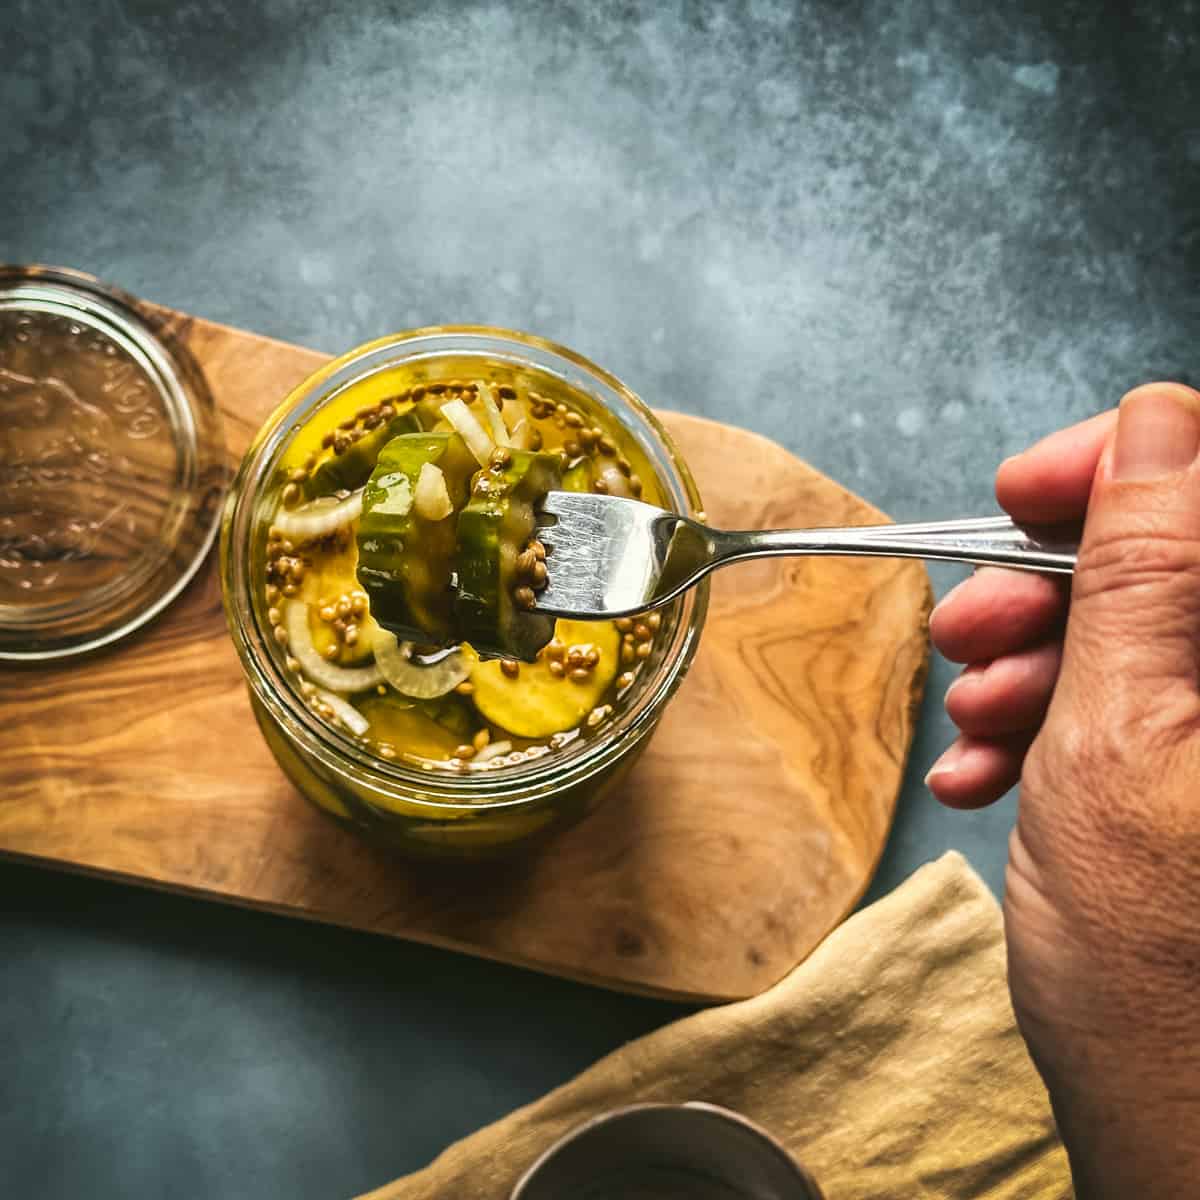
x=750 y=828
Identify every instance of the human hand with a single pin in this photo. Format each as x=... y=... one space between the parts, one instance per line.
x=1096 y=710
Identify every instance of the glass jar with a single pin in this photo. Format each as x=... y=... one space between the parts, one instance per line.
x=418 y=808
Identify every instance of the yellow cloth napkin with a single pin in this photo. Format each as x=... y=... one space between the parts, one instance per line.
x=888 y=1062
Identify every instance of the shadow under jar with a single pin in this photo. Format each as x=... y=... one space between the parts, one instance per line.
x=502 y=758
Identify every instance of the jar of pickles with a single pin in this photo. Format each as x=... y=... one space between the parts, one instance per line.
x=380 y=569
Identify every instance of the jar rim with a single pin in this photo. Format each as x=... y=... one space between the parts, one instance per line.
x=443 y=791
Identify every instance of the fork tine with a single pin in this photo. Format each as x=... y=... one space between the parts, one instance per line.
x=564 y=504
x=599 y=554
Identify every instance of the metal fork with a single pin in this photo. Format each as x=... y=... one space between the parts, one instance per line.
x=611 y=557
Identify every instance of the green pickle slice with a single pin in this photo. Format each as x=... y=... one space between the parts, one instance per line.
x=352 y=468
x=494 y=528
x=405 y=561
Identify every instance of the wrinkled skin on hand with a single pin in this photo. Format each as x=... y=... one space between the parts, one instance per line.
x=1090 y=698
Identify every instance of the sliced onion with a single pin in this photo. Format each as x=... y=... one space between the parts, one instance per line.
x=513 y=415
x=493 y=750
x=491 y=412
x=345 y=712
x=469 y=429
x=520 y=435
x=322 y=672
x=318 y=518
x=395 y=661
x=431 y=499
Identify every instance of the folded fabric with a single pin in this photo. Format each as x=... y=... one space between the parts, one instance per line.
x=888 y=1062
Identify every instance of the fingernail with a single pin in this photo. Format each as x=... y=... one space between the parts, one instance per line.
x=1158 y=433
x=947 y=764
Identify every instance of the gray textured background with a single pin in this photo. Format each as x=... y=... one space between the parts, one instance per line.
x=903 y=239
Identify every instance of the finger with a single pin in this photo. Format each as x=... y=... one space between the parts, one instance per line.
x=997 y=612
x=1050 y=482
x=1133 y=634
x=1009 y=695
x=975 y=772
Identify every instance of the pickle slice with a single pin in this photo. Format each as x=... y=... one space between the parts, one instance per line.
x=330 y=579
x=537 y=702
x=410 y=727
x=404 y=560
x=493 y=530
x=352 y=468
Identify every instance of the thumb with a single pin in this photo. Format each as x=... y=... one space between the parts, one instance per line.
x=1134 y=620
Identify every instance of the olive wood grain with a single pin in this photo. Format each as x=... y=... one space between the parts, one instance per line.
x=748 y=831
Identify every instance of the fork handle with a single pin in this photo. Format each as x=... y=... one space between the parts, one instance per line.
x=985 y=541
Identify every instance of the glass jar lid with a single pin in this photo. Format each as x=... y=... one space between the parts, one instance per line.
x=112 y=465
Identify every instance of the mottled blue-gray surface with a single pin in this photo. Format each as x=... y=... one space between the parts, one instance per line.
x=903 y=239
